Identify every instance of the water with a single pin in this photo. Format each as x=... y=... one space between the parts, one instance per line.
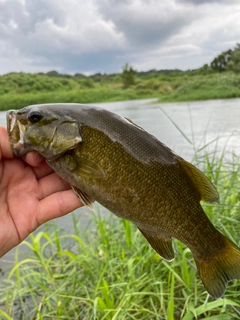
x=201 y=122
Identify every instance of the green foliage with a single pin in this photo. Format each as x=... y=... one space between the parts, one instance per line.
x=114 y=274
x=11 y=101
x=52 y=73
x=20 y=83
x=221 y=61
x=110 y=272
x=228 y=60
x=87 y=83
x=79 y=75
x=234 y=63
x=202 y=87
x=18 y=90
x=128 y=76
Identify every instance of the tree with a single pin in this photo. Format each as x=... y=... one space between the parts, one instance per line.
x=128 y=76
x=234 y=62
x=221 y=61
x=52 y=73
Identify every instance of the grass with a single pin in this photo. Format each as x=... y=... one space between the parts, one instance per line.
x=110 y=272
x=19 y=90
x=15 y=101
x=202 y=87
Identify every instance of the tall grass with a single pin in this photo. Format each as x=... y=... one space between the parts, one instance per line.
x=20 y=90
x=205 y=87
x=112 y=273
x=91 y=95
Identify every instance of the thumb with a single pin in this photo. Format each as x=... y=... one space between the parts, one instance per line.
x=5 y=146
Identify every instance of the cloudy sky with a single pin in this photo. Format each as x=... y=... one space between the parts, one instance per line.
x=90 y=36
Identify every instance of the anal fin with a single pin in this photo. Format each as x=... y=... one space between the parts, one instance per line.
x=162 y=245
x=86 y=200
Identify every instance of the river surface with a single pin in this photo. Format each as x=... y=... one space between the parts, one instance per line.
x=193 y=125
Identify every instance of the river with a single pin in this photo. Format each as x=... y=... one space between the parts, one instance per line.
x=192 y=126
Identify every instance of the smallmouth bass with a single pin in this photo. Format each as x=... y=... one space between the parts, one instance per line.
x=108 y=158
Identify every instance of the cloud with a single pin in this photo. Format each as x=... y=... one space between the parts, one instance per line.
x=202 y=2
x=45 y=26
x=102 y=35
x=148 y=22
x=52 y=30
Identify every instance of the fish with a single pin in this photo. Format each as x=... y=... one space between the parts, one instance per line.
x=109 y=159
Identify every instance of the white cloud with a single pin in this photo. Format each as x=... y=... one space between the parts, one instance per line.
x=74 y=38
x=149 y=22
x=101 y=35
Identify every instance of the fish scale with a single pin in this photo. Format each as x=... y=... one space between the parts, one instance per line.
x=108 y=158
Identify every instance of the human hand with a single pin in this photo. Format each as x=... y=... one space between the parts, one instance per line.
x=30 y=194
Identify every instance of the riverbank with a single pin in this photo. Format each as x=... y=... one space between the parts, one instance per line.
x=112 y=273
x=19 y=90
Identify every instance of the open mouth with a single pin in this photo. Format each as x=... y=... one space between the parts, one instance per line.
x=16 y=132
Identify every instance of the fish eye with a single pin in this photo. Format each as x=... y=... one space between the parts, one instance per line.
x=35 y=116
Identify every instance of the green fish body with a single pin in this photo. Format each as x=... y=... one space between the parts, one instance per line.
x=108 y=158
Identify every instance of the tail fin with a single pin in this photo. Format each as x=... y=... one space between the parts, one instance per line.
x=217 y=270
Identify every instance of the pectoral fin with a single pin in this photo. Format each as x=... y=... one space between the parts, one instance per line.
x=86 y=200
x=202 y=184
x=162 y=245
x=83 y=166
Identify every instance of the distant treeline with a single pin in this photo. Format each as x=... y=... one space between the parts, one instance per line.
x=101 y=76
x=228 y=60
x=218 y=80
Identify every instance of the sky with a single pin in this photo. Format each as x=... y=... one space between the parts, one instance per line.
x=91 y=36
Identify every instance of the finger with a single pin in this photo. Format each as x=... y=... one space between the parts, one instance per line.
x=52 y=183
x=57 y=205
x=5 y=146
x=37 y=161
x=34 y=158
x=43 y=170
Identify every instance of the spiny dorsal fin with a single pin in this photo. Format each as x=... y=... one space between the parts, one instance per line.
x=162 y=245
x=134 y=124
x=202 y=184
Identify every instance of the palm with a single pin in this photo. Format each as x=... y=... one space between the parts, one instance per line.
x=29 y=196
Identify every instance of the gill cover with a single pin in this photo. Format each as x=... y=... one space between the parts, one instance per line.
x=66 y=136
x=48 y=133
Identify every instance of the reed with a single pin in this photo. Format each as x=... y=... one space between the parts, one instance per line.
x=110 y=272
x=19 y=90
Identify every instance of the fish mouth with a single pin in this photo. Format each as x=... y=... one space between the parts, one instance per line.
x=16 y=131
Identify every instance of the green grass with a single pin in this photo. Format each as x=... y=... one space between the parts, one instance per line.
x=19 y=89
x=112 y=273
x=205 y=87
x=17 y=101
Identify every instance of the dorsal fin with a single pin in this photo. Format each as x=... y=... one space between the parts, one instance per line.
x=202 y=184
